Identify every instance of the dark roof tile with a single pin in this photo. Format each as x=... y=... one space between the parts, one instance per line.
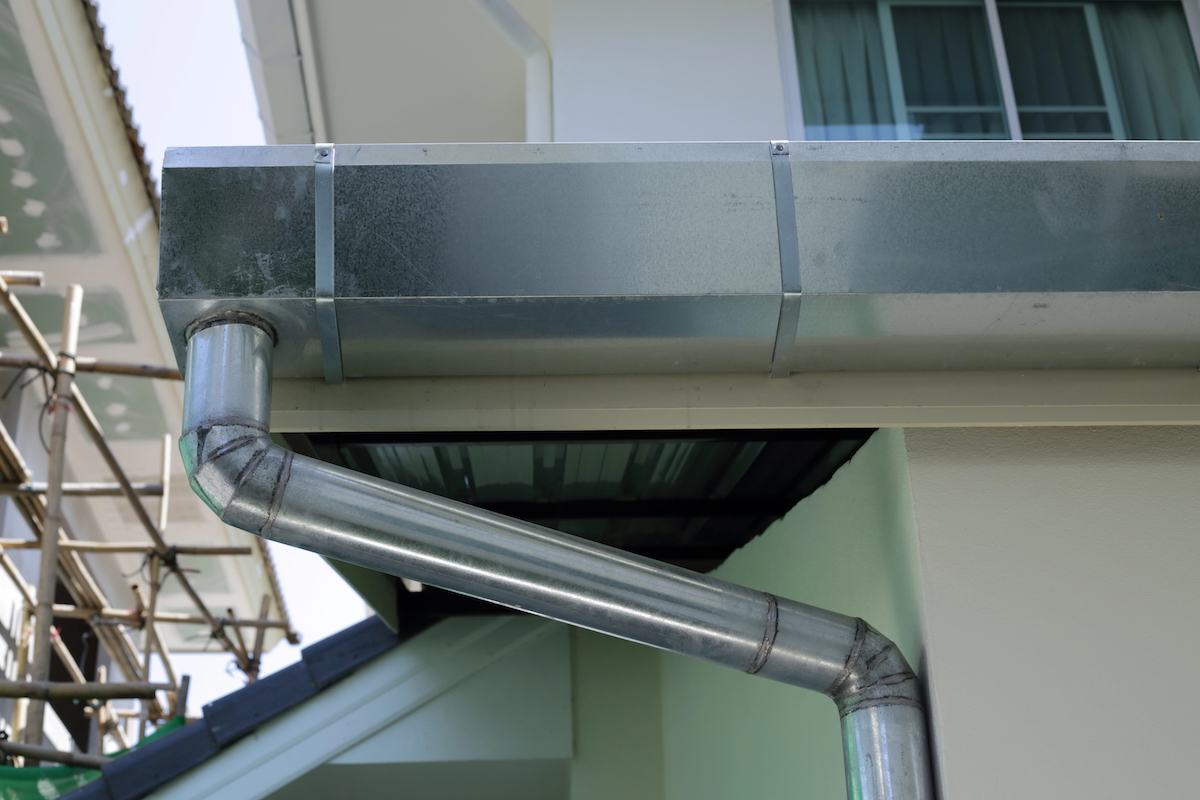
x=138 y=772
x=145 y=768
x=234 y=715
x=338 y=655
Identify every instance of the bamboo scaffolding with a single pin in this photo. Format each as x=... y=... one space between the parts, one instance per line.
x=18 y=277
x=108 y=720
x=256 y=657
x=165 y=483
x=74 y=573
x=179 y=703
x=21 y=705
x=35 y=754
x=150 y=629
x=53 y=690
x=77 y=546
x=40 y=505
x=150 y=622
x=86 y=364
x=133 y=617
x=92 y=427
x=43 y=616
x=80 y=489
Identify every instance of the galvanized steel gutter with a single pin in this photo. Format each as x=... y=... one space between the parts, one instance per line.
x=255 y=485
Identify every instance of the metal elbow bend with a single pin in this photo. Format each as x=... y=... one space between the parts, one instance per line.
x=875 y=674
x=238 y=471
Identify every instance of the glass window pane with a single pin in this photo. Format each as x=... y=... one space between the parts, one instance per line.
x=1054 y=73
x=1154 y=68
x=948 y=71
x=843 y=73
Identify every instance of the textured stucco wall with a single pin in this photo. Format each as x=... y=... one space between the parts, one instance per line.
x=1062 y=601
x=850 y=548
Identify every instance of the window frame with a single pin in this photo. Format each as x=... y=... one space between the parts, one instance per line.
x=790 y=72
x=1103 y=66
x=891 y=53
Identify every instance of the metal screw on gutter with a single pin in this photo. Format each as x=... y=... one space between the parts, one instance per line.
x=779 y=148
x=324 y=152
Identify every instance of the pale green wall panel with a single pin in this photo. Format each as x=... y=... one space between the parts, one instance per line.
x=616 y=708
x=850 y=547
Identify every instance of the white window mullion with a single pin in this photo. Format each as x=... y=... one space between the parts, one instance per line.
x=1104 y=69
x=891 y=55
x=1191 y=12
x=1001 y=56
x=793 y=106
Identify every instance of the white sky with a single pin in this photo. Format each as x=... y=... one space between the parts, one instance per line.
x=185 y=73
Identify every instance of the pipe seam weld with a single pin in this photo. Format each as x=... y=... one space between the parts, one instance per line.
x=769 y=634
x=875 y=674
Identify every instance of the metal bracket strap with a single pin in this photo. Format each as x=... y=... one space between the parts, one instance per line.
x=327 y=324
x=789 y=260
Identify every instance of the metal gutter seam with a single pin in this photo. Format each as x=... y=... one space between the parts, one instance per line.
x=789 y=260
x=258 y=486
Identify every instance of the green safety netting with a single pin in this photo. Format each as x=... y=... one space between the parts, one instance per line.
x=47 y=783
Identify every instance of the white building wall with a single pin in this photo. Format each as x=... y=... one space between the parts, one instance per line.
x=666 y=70
x=1061 y=601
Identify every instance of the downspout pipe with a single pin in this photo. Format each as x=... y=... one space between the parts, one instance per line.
x=539 y=96
x=253 y=484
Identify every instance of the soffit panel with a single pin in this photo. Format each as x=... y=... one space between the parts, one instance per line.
x=424 y=71
x=74 y=145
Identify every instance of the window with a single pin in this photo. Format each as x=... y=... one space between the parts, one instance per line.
x=931 y=69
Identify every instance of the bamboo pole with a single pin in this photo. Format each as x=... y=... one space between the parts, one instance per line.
x=53 y=690
x=86 y=364
x=94 y=489
x=273 y=579
x=108 y=717
x=132 y=617
x=21 y=705
x=48 y=568
x=148 y=617
x=165 y=482
x=78 y=579
x=34 y=754
x=179 y=704
x=148 y=638
x=237 y=634
x=115 y=713
x=259 y=637
x=92 y=427
x=27 y=594
x=20 y=277
x=78 y=546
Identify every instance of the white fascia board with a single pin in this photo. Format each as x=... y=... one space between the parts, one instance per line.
x=276 y=70
x=351 y=711
x=697 y=402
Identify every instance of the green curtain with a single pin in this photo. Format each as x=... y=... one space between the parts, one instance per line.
x=946 y=61
x=1154 y=69
x=1052 y=64
x=843 y=73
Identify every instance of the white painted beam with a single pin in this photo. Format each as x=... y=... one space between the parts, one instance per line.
x=699 y=402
